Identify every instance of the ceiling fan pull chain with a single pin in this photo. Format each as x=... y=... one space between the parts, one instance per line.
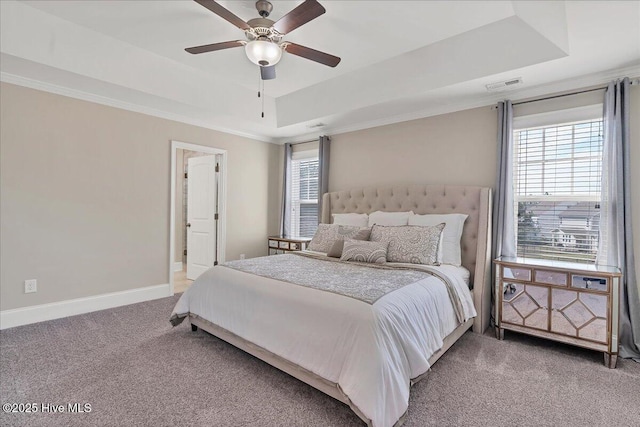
x=263 y=99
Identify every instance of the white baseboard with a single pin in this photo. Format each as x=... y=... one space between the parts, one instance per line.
x=56 y=310
x=177 y=266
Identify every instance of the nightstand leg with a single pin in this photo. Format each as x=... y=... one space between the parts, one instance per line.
x=499 y=333
x=610 y=360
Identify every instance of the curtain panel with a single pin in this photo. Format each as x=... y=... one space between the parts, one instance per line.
x=504 y=238
x=285 y=208
x=323 y=170
x=616 y=242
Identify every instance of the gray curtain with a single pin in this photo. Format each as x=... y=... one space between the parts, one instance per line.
x=503 y=239
x=323 y=171
x=616 y=243
x=285 y=209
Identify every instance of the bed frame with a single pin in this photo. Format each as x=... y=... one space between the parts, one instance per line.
x=421 y=199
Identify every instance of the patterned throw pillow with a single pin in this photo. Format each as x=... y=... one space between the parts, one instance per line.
x=327 y=234
x=411 y=243
x=338 y=245
x=449 y=251
x=362 y=251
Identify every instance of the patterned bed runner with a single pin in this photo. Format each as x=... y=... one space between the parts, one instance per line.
x=364 y=282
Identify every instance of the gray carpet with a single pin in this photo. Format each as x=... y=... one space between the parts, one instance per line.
x=135 y=370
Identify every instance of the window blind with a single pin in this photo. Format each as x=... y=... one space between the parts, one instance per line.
x=304 y=195
x=557 y=174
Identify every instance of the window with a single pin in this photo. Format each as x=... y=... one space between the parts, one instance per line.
x=304 y=193
x=557 y=177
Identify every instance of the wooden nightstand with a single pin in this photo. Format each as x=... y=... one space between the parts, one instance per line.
x=282 y=245
x=567 y=302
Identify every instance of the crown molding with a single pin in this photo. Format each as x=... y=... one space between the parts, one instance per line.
x=110 y=102
x=477 y=101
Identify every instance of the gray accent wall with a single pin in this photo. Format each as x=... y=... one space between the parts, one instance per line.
x=85 y=196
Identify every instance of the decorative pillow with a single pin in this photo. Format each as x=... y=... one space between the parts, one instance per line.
x=454 y=224
x=360 y=220
x=336 y=248
x=410 y=243
x=327 y=234
x=389 y=218
x=361 y=251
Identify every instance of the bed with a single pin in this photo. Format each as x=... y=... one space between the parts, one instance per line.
x=365 y=353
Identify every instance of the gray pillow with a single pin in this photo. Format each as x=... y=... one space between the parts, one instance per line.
x=410 y=243
x=336 y=248
x=362 y=251
x=327 y=234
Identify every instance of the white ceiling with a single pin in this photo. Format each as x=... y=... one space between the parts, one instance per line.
x=400 y=59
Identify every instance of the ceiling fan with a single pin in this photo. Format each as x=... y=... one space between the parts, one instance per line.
x=264 y=45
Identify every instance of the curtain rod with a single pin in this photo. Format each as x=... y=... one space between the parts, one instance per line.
x=559 y=96
x=632 y=82
x=302 y=142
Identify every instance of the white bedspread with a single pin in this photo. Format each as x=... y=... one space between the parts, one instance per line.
x=370 y=351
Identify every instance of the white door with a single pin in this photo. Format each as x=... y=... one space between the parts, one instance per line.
x=201 y=210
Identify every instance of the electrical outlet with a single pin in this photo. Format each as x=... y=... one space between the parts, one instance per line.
x=241 y=256
x=30 y=286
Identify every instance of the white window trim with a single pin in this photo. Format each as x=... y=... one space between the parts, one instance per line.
x=304 y=155
x=569 y=115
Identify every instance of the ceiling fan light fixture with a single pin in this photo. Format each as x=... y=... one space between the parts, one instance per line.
x=262 y=52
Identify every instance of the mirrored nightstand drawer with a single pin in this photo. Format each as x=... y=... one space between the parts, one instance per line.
x=516 y=273
x=590 y=282
x=550 y=277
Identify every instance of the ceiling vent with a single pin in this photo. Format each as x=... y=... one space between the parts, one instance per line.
x=507 y=84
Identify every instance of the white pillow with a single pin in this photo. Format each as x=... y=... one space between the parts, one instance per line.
x=389 y=218
x=359 y=220
x=451 y=252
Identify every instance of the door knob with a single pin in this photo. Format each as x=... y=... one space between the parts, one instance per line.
x=188 y=224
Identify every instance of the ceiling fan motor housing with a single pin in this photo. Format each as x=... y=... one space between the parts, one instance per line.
x=264 y=8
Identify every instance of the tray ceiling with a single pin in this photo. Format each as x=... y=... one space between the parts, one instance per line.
x=400 y=59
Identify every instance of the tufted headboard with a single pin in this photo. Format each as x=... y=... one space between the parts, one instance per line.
x=431 y=199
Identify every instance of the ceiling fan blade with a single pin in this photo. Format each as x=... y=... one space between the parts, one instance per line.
x=302 y=14
x=215 y=46
x=268 y=73
x=224 y=13
x=312 y=54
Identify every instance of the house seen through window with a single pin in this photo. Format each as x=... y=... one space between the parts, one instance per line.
x=557 y=193
x=304 y=193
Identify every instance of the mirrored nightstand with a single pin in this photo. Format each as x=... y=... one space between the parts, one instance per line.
x=569 y=302
x=282 y=245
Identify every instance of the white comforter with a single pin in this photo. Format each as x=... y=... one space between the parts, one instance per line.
x=370 y=351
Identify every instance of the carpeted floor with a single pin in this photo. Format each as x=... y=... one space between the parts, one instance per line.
x=135 y=370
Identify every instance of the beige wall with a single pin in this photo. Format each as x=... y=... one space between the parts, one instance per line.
x=456 y=148
x=84 y=196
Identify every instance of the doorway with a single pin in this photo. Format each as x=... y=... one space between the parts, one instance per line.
x=198 y=194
